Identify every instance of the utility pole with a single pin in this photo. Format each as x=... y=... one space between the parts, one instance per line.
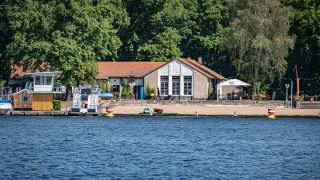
x=291 y=92
x=287 y=87
x=298 y=80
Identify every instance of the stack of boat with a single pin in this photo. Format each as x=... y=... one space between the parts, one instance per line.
x=85 y=100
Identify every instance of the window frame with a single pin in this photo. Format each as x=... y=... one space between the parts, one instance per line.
x=164 y=86
x=187 y=89
x=37 y=80
x=46 y=80
x=176 y=83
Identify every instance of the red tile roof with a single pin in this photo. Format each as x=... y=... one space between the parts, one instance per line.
x=129 y=69
x=126 y=69
x=202 y=68
x=17 y=71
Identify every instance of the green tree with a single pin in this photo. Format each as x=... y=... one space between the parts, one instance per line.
x=70 y=35
x=161 y=30
x=102 y=86
x=126 y=91
x=208 y=21
x=162 y=47
x=305 y=26
x=5 y=69
x=258 y=40
x=139 y=31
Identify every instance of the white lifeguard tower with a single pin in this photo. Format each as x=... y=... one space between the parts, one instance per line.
x=38 y=95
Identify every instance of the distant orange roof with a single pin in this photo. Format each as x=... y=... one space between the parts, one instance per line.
x=18 y=71
x=126 y=69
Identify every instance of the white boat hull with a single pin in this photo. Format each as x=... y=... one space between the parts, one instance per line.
x=5 y=111
x=5 y=108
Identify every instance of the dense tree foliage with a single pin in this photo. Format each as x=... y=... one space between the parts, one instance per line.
x=244 y=38
x=258 y=41
x=4 y=39
x=161 y=30
x=70 y=35
x=306 y=53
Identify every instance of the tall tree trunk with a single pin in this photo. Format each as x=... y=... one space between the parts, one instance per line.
x=135 y=51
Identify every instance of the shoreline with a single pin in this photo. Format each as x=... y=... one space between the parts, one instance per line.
x=157 y=115
x=187 y=110
x=218 y=110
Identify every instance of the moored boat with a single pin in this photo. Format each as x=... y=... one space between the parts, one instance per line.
x=5 y=107
x=158 y=110
x=85 y=101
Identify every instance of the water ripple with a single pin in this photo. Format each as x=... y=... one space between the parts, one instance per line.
x=159 y=148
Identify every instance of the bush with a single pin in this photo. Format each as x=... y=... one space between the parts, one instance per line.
x=126 y=91
x=210 y=92
x=56 y=105
x=150 y=92
x=108 y=89
x=102 y=87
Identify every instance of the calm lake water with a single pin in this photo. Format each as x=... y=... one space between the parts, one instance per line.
x=159 y=148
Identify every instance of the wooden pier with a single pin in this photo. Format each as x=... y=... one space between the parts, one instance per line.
x=39 y=113
x=51 y=113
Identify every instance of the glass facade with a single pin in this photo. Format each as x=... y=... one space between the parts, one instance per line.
x=164 y=82
x=48 y=80
x=176 y=85
x=37 y=80
x=187 y=85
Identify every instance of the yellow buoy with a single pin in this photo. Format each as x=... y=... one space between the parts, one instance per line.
x=271 y=116
x=109 y=115
x=109 y=111
x=271 y=113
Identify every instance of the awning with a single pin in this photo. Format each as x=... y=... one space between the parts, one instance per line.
x=233 y=82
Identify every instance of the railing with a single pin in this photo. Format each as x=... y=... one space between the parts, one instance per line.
x=4 y=93
x=61 y=89
x=29 y=86
x=94 y=90
x=45 y=88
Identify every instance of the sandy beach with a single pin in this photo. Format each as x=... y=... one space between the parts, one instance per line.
x=222 y=110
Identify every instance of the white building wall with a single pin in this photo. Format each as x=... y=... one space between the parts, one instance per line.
x=164 y=71
x=138 y=82
x=169 y=85
x=175 y=68
x=181 y=86
x=42 y=88
x=115 y=81
x=186 y=70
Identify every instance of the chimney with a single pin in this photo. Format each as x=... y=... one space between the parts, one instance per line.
x=189 y=58
x=200 y=60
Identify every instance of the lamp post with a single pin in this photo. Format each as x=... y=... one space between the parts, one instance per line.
x=287 y=87
x=291 y=92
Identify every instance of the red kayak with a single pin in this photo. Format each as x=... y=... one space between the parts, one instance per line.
x=158 y=110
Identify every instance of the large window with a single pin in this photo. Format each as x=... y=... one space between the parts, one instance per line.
x=37 y=80
x=175 y=85
x=164 y=81
x=187 y=85
x=48 y=80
